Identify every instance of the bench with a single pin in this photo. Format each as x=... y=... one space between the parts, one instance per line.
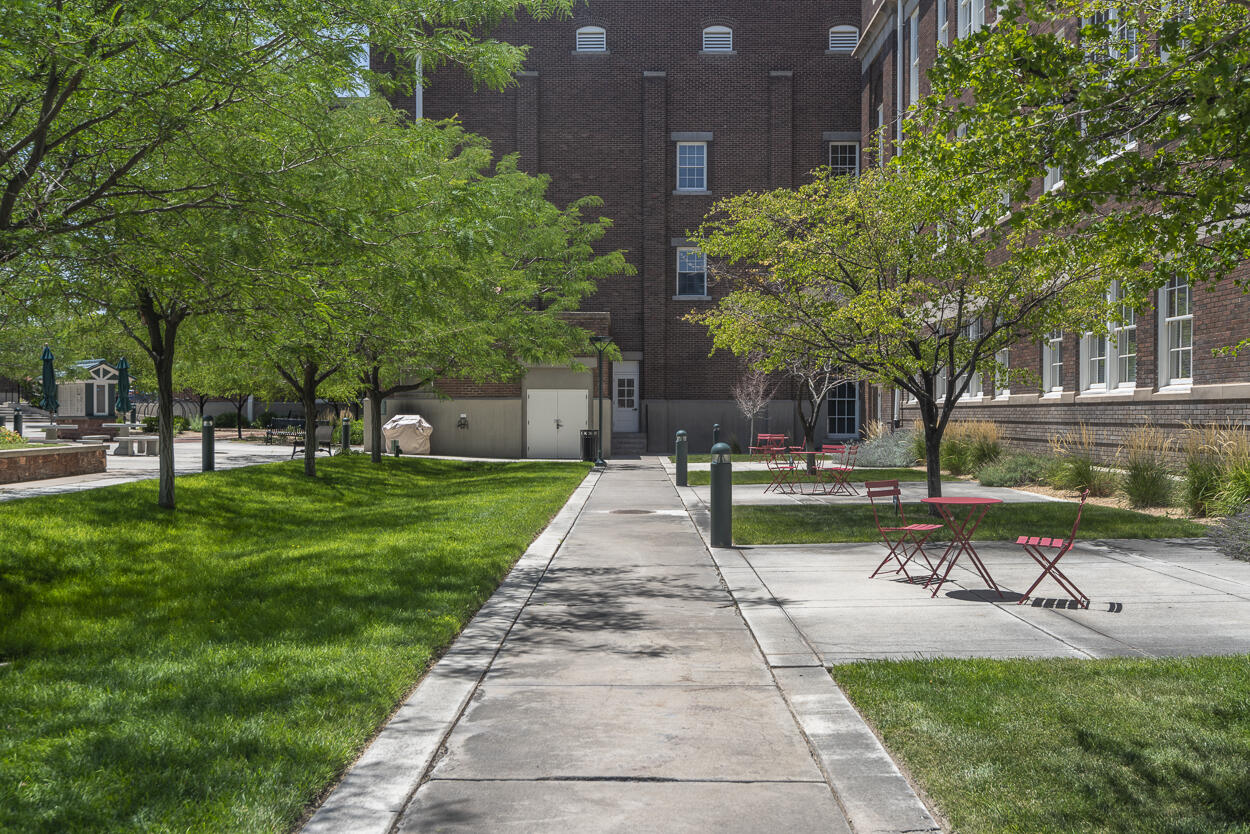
x=138 y=444
x=94 y=438
x=323 y=437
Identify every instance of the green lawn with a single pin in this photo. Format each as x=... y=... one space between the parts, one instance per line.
x=215 y=668
x=701 y=477
x=816 y=523
x=1069 y=745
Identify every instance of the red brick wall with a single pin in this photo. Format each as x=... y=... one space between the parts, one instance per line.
x=38 y=463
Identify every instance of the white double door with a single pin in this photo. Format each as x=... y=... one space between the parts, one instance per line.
x=554 y=420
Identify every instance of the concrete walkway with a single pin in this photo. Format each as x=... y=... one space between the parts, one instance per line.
x=621 y=690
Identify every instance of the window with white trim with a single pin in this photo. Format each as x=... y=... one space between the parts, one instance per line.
x=844 y=158
x=1002 y=380
x=880 y=134
x=1094 y=348
x=1052 y=362
x=1176 y=332
x=691 y=273
x=592 y=39
x=943 y=25
x=692 y=166
x=913 y=45
x=1053 y=178
x=718 y=39
x=844 y=410
x=843 y=38
x=970 y=16
x=1124 y=337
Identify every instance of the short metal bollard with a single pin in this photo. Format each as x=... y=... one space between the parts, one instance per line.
x=207 y=439
x=347 y=434
x=17 y=421
x=722 y=496
x=715 y=433
x=395 y=448
x=681 y=458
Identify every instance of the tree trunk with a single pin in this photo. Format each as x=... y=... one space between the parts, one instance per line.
x=375 y=425
x=238 y=419
x=310 y=419
x=933 y=462
x=165 y=400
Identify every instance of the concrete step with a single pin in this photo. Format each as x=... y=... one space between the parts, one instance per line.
x=628 y=444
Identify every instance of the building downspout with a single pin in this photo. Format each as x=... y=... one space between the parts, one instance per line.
x=898 y=77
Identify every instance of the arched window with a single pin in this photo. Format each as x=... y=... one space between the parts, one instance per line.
x=718 y=39
x=592 y=39
x=842 y=38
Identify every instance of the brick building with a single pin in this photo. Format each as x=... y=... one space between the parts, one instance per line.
x=659 y=108
x=1160 y=366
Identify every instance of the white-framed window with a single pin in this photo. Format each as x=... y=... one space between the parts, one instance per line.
x=718 y=39
x=1053 y=178
x=970 y=16
x=692 y=166
x=844 y=410
x=843 y=38
x=1094 y=348
x=943 y=24
x=592 y=39
x=1124 y=338
x=1176 y=336
x=880 y=134
x=691 y=273
x=913 y=75
x=844 y=158
x=1052 y=362
x=1002 y=380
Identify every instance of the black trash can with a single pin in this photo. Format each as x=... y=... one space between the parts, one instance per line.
x=590 y=445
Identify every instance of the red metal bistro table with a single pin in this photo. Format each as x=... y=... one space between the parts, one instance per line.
x=961 y=535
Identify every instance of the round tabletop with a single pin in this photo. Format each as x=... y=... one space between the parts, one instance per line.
x=967 y=500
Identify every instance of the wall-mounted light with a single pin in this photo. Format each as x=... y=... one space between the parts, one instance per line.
x=463 y=422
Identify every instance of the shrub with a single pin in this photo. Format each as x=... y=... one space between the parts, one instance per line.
x=265 y=420
x=1147 y=482
x=180 y=423
x=228 y=420
x=1209 y=449
x=151 y=424
x=968 y=445
x=956 y=457
x=917 y=441
x=887 y=450
x=1074 y=468
x=1232 y=536
x=1015 y=470
x=196 y=424
x=1234 y=492
x=10 y=439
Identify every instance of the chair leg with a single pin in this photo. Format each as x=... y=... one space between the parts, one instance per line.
x=1050 y=568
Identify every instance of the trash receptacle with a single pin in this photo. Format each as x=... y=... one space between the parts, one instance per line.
x=590 y=445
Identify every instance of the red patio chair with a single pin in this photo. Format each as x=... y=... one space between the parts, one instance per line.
x=766 y=443
x=906 y=541
x=836 y=473
x=784 y=470
x=1036 y=546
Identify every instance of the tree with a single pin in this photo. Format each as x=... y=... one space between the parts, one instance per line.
x=814 y=379
x=752 y=393
x=91 y=93
x=897 y=278
x=1140 y=109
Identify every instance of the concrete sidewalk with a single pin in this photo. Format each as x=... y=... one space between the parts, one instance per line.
x=626 y=693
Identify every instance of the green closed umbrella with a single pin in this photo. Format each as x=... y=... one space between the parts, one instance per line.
x=122 y=404
x=49 y=403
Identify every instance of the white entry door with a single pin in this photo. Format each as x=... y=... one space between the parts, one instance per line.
x=554 y=421
x=625 y=396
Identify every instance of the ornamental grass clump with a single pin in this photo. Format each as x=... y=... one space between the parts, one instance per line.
x=1147 y=481
x=883 y=448
x=1075 y=468
x=1015 y=470
x=1232 y=536
x=1204 y=447
x=968 y=445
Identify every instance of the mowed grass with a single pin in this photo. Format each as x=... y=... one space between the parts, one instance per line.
x=1069 y=745
x=702 y=477
x=816 y=523
x=215 y=668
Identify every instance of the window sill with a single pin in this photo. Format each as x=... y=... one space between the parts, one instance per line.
x=842 y=53
x=686 y=192
x=591 y=52
x=729 y=52
x=1104 y=394
x=1175 y=390
x=1053 y=395
x=692 y=298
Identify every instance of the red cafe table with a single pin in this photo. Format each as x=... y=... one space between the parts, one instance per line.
x=961 y=535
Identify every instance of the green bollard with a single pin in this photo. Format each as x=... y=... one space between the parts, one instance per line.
x=715 y=433
x=17 y=421
x=346 y=429
x=722 y=496
x=395 y=448
x=207 y=464
x=681 y=457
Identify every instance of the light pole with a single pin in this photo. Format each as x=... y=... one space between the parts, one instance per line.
x=600 y=344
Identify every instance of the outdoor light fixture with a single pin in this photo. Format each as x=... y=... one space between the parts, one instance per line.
x=463 y=422
x=600 y=344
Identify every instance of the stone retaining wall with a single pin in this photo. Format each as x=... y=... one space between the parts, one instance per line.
x=35 y=463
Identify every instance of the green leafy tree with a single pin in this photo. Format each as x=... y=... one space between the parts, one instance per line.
x=1140 y=109
x=92 y=93
x=898 y=277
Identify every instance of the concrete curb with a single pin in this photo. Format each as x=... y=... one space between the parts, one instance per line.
x=875 y=796
x=376 y=789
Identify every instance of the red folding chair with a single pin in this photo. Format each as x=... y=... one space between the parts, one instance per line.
x=784 y=470
x=766 y=443
x=1036 y=546
x=906 y=541
x=836 y=472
